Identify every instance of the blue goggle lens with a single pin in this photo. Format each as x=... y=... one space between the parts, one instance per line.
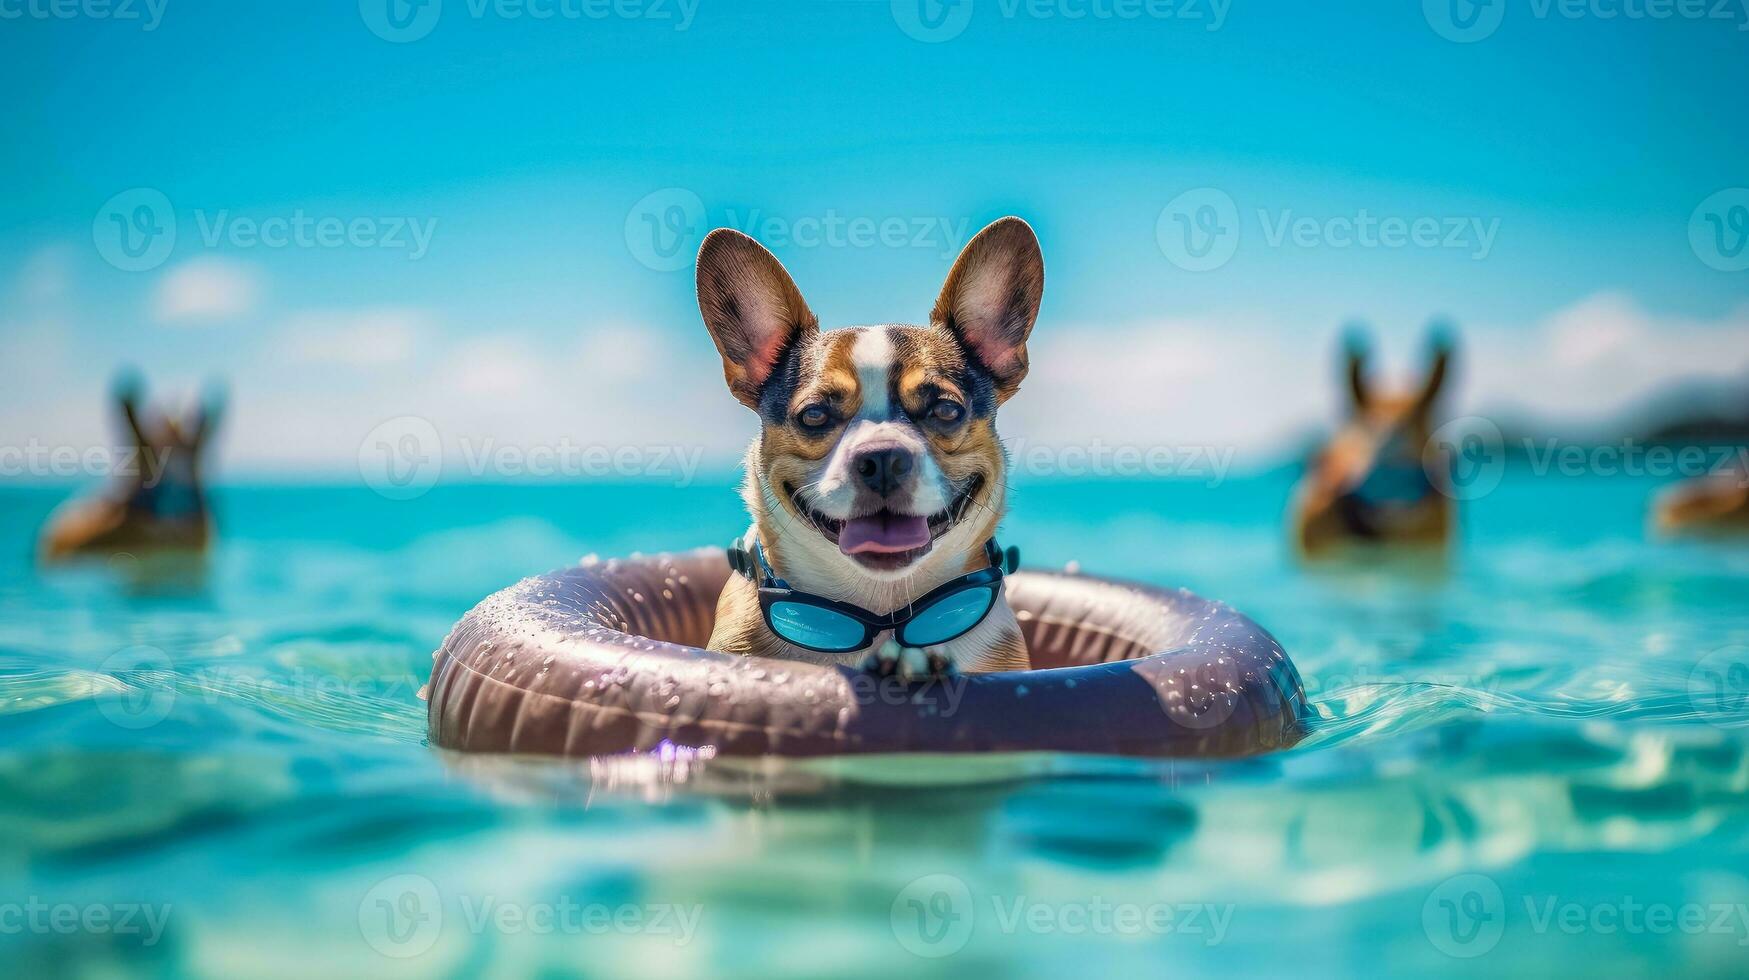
x=816 y=628
x=950 y=617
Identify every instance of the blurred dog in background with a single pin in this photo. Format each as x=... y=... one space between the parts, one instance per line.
x=1718 y=502
x=157 y=500
x=1377 y=481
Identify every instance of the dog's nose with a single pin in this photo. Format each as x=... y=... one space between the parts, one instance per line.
x=883 y=470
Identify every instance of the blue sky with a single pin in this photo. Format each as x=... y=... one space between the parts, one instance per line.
x=1562 y=159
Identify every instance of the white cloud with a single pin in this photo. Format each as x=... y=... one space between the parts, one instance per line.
x=206 y=289
x=366 y=338
x=503 y=370
x=605 y=385
x=38 y=404
x=1251 y=384
x=1172 y=382
x=47 y=275
x=610 y=385
x=1600 y=356
x=1257 y=385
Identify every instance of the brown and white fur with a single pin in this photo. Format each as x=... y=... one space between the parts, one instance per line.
x=158 y=499
x=890 y=419
x=1383 y=430
x=1714 y=504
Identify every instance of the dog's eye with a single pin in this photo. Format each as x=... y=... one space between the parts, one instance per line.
x=946 y=411
x=814 y=417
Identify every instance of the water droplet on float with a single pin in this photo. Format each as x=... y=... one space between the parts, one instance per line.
x=1020 y=691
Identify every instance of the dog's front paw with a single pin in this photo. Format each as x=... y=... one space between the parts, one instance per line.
x=908 y=664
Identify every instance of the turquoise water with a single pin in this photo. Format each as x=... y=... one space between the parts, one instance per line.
x=1535 y=760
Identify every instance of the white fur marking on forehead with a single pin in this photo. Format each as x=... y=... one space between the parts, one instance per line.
x=872 y=356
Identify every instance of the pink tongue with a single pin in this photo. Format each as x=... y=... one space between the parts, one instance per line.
x=883 y=533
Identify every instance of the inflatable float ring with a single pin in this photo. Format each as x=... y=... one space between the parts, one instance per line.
x=605 y=658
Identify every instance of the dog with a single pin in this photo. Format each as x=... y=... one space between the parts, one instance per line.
x=1377 y=481
x=877 y=475
x=158 y=501
x=1717 y=503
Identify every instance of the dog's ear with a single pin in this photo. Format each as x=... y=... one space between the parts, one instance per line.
x=991 y=298
x=1441 y=345
x=1354 y=348
x=207 y=414
x=751 y=307
x=126 y=389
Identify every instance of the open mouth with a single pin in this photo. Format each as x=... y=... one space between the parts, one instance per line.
x=885 y=539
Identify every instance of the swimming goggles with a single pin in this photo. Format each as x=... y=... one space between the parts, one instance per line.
x=824 y=625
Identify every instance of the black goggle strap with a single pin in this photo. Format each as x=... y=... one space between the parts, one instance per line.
x=752 y=563
x=1007 y=559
